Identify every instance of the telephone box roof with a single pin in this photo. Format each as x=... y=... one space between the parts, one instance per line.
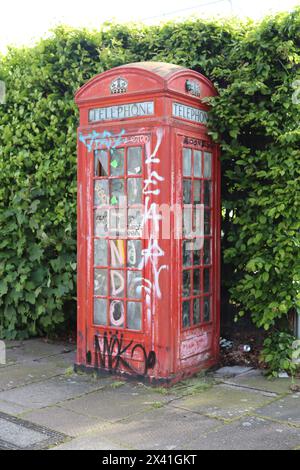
x=144 y=77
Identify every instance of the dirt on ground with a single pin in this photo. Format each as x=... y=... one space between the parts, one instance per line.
x=242 y=348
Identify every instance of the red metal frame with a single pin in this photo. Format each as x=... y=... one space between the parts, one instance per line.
x=162 y=351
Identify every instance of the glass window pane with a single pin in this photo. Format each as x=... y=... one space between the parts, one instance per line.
x=187 y=221
x=134 y=284
x=207 y=224
x=207 y=193
x=187 y=192
x=117 y=253
x=100 y=252
x=100 y=282
x=101 y=223
x=134 y=160
x=206 y=281
x=100 y=311
x=197 y=192
x=196 y=312
x=134 y=315
x=187 y=248
x=206 y=309
x=207 y=164
x=196 y=276
x=101 y=193
x=186 y=320
x=198 y=220
x=135 y=223
x=117 y=222
x=117 y=160
x=197 y=251
x=134 y=189
x=117 y=192
x=117 y=283
x=207 y=257
x=134 y=253
x=186 y=283
x=187 y=162
x=101 y=163
x=197 y=164
x=117 y=313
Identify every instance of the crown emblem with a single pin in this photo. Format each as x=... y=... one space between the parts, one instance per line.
x=119 y=85
x=192 y=87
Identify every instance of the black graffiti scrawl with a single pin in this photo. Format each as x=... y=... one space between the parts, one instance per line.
x=110 y=353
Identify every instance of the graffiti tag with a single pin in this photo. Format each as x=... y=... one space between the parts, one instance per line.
x=95 y=140
x=112 y=353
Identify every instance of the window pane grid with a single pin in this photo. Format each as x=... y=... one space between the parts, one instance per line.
x=115 y=175
x=197 y=252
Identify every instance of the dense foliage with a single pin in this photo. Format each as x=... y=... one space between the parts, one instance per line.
x=279 y=354
x=254 y=67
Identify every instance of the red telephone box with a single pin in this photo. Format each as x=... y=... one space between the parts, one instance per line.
x=148 y=224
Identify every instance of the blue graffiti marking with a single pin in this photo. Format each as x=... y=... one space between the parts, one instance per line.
x=94 y=140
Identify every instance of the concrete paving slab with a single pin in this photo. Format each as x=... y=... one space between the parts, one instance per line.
x=114 y=404
x=256 y=380
x=12 y=408
x=249 y=433
x=92 y=442
x=166 y=428
x=246 y=411
x=286 y=409
x=64 y=421
x=61 y=361
x=233 y=371
x=16 y=376
x=224 y=402
x=35 y=349
x=51 y=392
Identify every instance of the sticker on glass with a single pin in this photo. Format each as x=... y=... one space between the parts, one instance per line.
x=134 y=160
x=117 y=164
x=101 y=222
x=101 y=193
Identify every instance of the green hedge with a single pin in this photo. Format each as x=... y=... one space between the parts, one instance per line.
x=254 y=68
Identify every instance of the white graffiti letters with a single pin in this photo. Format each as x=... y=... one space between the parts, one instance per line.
x=151 y=158
x=153 y=179
x=153 y=253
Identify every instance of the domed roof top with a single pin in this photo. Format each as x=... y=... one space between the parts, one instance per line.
x=139 y=78
x=159 y=68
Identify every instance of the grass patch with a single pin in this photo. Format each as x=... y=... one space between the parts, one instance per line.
x=117 y=384
x=69 y=372
x=198 y=384
x=156 y=405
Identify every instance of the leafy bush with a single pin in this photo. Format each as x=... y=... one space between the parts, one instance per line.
x=260 y=135
x=278 y=353
x=253 y=67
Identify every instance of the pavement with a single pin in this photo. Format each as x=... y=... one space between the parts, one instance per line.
x=45 y=405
